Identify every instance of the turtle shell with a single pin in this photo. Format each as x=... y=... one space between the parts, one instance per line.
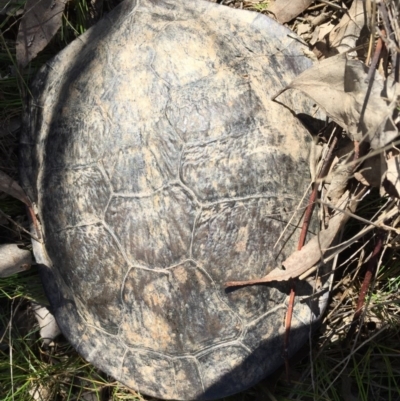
x=161 y=169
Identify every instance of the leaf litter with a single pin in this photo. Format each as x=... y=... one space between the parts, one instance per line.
x=364 y=109
x=365 y=104
x=40 y=22
x=364 y=101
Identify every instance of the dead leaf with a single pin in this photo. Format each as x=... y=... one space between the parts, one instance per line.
x=347 y=34
x=301 y=261
x=324 y=29
x=391 y=182
x=286 y=10
x=372 y=171
x=11 y=187
x=302 y=29
x=318 y=19
x=13 y=260
x=41 y=21
x=320 y=32
x=365 y=110
x=360 y=178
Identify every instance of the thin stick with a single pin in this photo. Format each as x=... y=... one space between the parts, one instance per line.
x=375 y=58
x=302 y=239
x=313 y=197
x=371 y=267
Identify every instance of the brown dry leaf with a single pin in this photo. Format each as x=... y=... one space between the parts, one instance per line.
x=346 y=34
x=372 y=171
x=41 y=21
x=13 y=260
x=319 y=19
x=301 y=261
x=391 y=182
x=324 y=29
x=320 y=32
x=286 y=10
x=11 y=187
x=365 y=110
x=303 y=28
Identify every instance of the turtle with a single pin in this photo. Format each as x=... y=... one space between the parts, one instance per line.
x=160 y=168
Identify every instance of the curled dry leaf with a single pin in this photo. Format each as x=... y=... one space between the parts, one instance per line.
x=13 y=260
x=11 y=187
x=286 y=10
x=364 y=109
x=301 y=261
x=41 y=21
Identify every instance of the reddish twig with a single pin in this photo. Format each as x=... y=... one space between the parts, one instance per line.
x=302 y=239
x=314 y=193
x=371 y=268
x=376 y=57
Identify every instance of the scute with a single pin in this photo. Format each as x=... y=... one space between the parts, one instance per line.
x=176 y=311
x=202 y=110
x=154 y=230
x=236 y=236
x=75 y=197
x=161 y=169
x=240 y=166
x=98 y=269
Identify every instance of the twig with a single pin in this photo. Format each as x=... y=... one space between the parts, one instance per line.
x=356 y=217
x=371 y=267
x=302 y=239
x=375 y=58
x=372 y=22
x=367 y=156
x=313 y=197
